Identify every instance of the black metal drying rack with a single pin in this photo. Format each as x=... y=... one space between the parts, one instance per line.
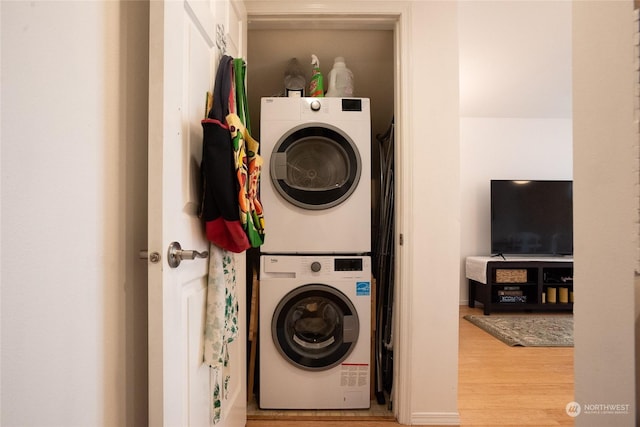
x=383 y=259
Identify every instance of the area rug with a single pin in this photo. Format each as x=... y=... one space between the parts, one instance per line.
x=528 y=331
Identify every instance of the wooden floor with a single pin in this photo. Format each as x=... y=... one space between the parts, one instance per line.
x=511 y=386
x=499 y=386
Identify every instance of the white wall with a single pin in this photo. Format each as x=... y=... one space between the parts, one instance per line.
x=433 y=233
x=73 y=213
x=605 y=209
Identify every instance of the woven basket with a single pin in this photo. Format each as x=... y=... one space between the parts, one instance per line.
x=511 y=275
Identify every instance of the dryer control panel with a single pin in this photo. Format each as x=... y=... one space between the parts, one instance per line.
x=348 y=264
x=351 y=104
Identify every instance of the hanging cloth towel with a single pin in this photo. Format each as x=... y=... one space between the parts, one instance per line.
x=218 y=168
x=221 y=325
x=248 y=162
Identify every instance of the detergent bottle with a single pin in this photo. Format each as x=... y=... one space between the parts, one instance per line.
x=340 y=79
x=316 y=87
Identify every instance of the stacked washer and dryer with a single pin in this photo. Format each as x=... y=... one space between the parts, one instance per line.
x=315 y=267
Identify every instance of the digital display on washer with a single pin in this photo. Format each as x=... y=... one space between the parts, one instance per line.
x=351 y=104
x=348 y=264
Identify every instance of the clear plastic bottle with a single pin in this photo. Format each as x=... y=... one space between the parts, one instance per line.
x=340 y=79
x=294 y=79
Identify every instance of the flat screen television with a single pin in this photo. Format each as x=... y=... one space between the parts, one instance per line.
x=531 y=217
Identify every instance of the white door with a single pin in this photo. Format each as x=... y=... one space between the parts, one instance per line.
x=183 y=56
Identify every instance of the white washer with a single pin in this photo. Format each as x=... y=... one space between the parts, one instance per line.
x=316 y=180
x=315 y=332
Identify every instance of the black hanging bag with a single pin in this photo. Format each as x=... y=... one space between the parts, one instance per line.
x=220 y=185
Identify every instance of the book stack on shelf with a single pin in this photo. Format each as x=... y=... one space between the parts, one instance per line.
x=511 y=294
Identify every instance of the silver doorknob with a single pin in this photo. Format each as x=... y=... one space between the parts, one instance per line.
x=175 y=254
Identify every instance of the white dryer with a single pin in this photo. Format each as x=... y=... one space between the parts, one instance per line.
x=316 y=180
x=315 y=332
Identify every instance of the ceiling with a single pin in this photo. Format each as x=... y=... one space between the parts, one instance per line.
x=515 y=58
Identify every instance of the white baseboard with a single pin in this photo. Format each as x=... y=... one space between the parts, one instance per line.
x=435 y=419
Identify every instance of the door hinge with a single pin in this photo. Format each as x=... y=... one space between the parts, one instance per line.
x=401 y=239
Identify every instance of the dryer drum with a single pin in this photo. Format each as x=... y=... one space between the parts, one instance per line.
x=315 y=327
x=315 y=166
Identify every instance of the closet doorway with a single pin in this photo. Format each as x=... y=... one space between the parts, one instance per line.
x=274 y=39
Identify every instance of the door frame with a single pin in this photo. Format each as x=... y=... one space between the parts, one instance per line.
x=388 y=16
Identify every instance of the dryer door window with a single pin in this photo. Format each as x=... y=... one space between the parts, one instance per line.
x=315 y=166
x=315 y=327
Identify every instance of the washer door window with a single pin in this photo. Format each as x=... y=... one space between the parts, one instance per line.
x=315 y=166
x=315 y=327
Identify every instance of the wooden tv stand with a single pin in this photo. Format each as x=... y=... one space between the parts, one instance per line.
x=520 y=283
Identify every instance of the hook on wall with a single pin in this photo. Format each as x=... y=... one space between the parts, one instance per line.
x=221 y=39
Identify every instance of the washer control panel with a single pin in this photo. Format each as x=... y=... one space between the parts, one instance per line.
x=317 y=266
